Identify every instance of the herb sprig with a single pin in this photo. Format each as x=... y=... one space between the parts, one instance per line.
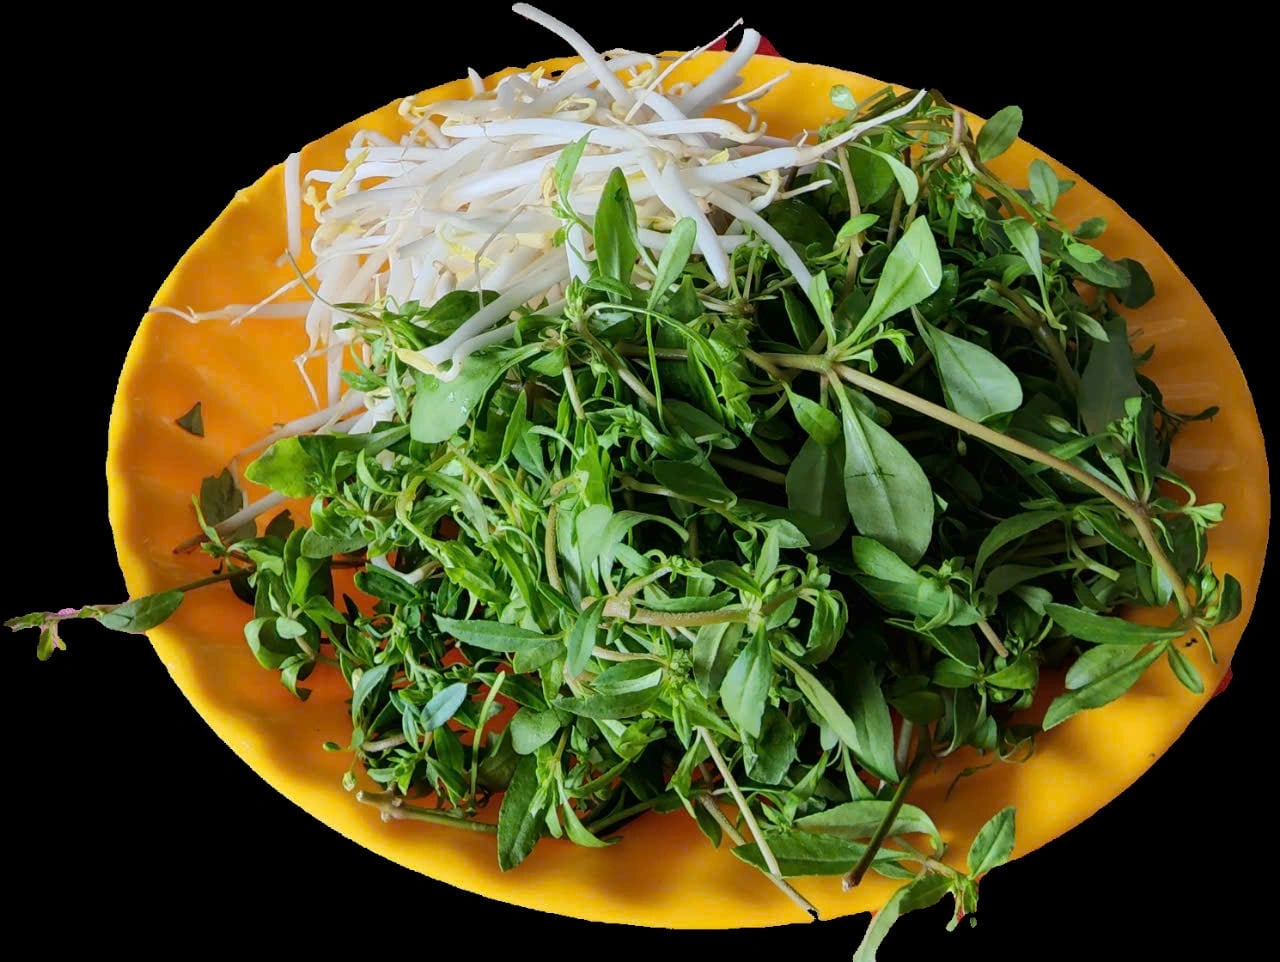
x=760 y=553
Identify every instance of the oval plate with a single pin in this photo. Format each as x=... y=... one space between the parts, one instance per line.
x=245 y=379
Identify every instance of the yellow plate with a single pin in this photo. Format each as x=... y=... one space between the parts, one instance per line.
x=246 y=381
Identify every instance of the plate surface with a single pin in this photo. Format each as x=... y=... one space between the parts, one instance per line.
x=246 y=381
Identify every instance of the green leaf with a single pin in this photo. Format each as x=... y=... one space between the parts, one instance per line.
x=698 y=481
x=287 y=467
x=220 y=498
x=672 y=260
x=1105 y=630
x=1229 y=600
x=855 y=226
x=815 y=488
x=920 y=893
x=193 y=421
x=993 y=845
x=443 y=705
x=911 y=273
x=889 y=496
x=567 y=165
x=904 y=175
x=610 y=706
x=281 y=526
x=804 y=853
x=746 y=685
x=898 y=587
x=1010 y=530
x=976 y=383
x=582 y=638
x=440 y=408
x=1090 y=326
x=819 y=423
x=531 y=730
x=801 y=224
x=387 y=585
x=1022 y=235
x=773 y=753
x=491 y=635
x=1022 y=674
x=1097 y=663
x=870 y=738
x=1102 y=689
x=873 y=723
x=1108 y=379
x=615 y=229
x=713 y=650
x=1140 y=288
x=578 y=833
x=142 y=614
x=998 y=134
x=1044 y=184
x=369 y=681
x=860 y=819
x=1185 y=671
x=521 y=815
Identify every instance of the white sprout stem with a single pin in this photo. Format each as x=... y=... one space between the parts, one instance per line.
x=595 y=63
x=575 y=80
x=676 y=196
x=775 y=240
x=575 y=247
x=477 y=343
x=657 y=240
x=724 y=78
x=235 y=312
x=311 y=422
x=687 y=55
x=245 y=514
x=251 y=511
x=757 y=92
x=541 y=281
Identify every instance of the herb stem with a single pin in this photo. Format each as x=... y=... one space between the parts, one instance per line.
x=637 y=585
x=741 y=801
x=804 y=362
x=608 y=654
x=903 y=754
x=621 y=815
x=571 y=388
x=213 y=579
x=382 y=744
x=549 y=548
x=855 y=208
x=661 y=353
x=726 y=826
x=393 y=807
x=478 y=741
x=990 y=634
x=673 y=619
x=855 y=874
x=746 y=467
x=1042 y=332
x=618 y=366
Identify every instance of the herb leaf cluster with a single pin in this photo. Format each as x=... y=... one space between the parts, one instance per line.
x=759 y=553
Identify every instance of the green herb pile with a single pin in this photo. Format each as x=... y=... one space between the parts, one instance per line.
x=762 y=553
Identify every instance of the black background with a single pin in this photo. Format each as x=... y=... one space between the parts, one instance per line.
x=128 y=816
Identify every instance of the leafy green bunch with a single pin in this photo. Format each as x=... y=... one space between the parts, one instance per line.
x=762 y=553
